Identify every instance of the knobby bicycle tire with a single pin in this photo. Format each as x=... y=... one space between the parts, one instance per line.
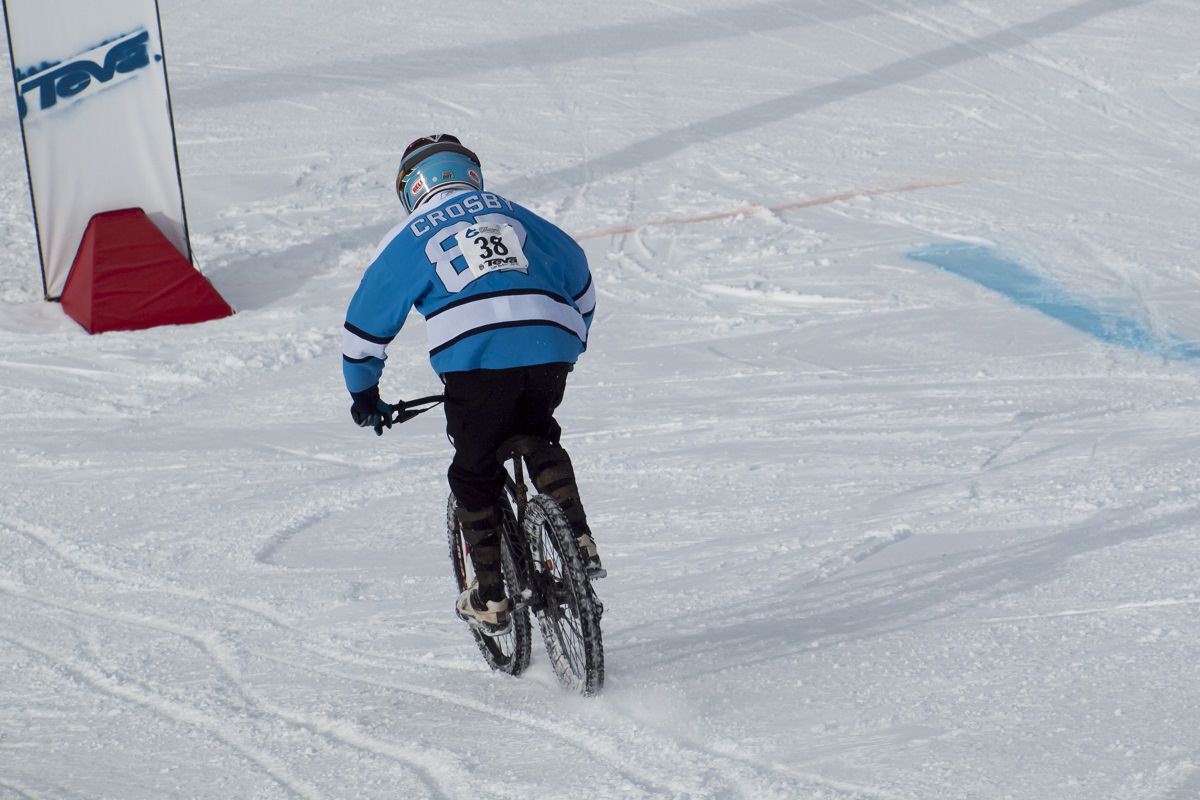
x=570 y=618
x=509 y=652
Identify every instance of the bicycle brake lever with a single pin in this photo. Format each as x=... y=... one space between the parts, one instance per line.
x=402 y=414
x=404 y=411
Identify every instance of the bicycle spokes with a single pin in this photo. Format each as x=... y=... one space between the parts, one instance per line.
x=545 y=574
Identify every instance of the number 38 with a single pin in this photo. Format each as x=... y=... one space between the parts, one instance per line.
x=442 y=250
x=490 y=246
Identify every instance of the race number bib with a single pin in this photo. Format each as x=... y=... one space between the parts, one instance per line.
x=492 y=247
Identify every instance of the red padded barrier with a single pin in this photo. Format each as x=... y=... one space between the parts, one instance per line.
x=128 y=276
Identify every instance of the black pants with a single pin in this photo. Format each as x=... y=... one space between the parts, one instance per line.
x=486 y=406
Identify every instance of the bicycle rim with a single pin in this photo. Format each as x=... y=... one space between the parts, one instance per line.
x=508 y=652
x=570 y=617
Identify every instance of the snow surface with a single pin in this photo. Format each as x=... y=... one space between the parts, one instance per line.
x=873 y=530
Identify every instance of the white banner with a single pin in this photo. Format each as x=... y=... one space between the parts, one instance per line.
x=95 y=114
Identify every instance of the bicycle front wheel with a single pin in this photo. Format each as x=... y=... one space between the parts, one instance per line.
x=569 y=611
x=507 y=652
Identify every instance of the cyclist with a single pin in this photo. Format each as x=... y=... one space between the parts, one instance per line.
x=508 y=301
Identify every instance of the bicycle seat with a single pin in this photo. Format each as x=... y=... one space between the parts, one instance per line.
x=520 y=445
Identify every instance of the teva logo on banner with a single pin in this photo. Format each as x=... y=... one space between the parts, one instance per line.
x=57 y=85
x=104 y=181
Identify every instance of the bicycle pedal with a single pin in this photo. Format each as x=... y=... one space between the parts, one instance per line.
x=485 y=628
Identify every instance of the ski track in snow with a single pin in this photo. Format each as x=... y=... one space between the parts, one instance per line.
x=872 y=530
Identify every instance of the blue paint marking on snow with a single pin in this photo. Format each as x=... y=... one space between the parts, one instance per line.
x=982 y=266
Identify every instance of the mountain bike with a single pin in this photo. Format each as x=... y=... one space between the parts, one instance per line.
x=544 y=576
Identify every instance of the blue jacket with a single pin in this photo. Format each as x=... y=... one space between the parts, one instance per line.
x=498 y=286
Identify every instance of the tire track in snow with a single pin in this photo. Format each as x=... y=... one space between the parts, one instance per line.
x=354 y=657
x=424 y=764
x=615 y=758
x=819 y=571
x=74 y=671
x=325 y=727
x=813 y=783
x=1085 y=612
x=856 y=552
x=48 y=541
x=267 y=553
x=318 y=511
x=22 y=792
x=754 y=779
x=225 y=662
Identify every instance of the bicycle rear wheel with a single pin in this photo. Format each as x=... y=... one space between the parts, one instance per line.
x=507 y=652
x=569 y=611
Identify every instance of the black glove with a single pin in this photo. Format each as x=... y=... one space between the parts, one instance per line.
x=369 y=411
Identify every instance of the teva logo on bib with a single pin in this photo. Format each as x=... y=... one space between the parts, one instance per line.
x=59 y=85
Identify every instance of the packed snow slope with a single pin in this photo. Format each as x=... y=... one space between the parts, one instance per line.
x=874 y=530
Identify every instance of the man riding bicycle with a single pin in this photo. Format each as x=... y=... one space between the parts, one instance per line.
x=508 y=301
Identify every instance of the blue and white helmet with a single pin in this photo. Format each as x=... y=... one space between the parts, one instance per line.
x=434 y=163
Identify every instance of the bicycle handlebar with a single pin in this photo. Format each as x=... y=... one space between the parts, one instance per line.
x=405 y=409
